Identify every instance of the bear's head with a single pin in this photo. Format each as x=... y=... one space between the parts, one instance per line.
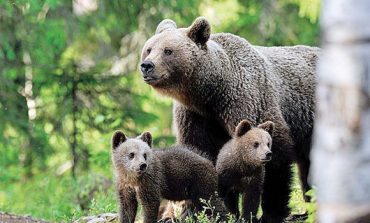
x=131 y=156
x=254 y=144
x=169 y=57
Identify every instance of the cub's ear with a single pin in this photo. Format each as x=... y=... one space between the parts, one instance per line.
x=165 y=25
x=118 y=138
x=243 y=127
x=146 y=137
x=200 y=31
x=268 y=126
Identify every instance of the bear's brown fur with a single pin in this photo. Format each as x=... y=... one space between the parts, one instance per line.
x=240 y=167
x=220 y=79
x=148 y=176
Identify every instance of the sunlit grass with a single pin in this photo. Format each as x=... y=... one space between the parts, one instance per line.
x=58 y=198
x=55 y=198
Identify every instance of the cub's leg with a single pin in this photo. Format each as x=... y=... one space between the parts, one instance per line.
x=205 y=188
x=151 y=211
x=127 y=205
x=150 y=199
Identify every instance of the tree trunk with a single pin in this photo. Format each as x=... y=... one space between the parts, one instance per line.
x=341 y=150
x=73 y=141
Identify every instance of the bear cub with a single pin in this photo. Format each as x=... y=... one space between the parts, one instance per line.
x=147 y=176
x=240 y=167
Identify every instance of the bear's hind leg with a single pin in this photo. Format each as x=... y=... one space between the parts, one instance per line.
x=303 y=170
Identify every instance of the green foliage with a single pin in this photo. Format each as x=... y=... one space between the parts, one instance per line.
x=202 y=216
x=60 y=64
x=59 y=198
x=311 y=207
x=299 y=206
x=297 y=203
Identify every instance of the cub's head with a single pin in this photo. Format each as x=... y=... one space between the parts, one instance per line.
x=254 y=143
x=131 y=155
x=169 y=57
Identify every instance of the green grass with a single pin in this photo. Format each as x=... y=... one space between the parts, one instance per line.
x=297 y=203
x=56 y=198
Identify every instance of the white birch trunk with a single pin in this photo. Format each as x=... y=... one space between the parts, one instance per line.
x=341 y=150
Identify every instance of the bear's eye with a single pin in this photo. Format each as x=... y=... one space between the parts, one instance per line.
x=167 y=52
x=268 y=144
x=131 y=155
x=256 y=144
x=145 y=156
x=149 y=50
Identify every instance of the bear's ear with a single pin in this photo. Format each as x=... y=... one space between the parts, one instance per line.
x=268 y=126
x=243 y=127
x=146 y=137
x=118 y=138
x=165 y=25
x=200 y=31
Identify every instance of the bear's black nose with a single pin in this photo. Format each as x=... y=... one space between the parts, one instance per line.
x=143 y=167
x=268 y=155
x=147 y=67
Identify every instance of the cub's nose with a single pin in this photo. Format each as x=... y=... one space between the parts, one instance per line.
x=268 y=155
x=147 y=67
x=143 y=167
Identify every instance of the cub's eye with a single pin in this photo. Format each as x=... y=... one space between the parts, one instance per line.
x=268 y=144
x=131 y=155
x=167 y=52
x=149 y=50
x=256 y=144
x=145 y=156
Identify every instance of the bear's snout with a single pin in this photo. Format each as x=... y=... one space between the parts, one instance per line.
x=143 y=167
x=147 y=67
x=267 y=156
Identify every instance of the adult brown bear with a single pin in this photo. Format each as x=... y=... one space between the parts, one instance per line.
x=218 y=80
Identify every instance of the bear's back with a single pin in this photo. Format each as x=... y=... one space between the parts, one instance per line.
x=282 y=61
x=240 y=52
x=287 y=74
x=294 y=68
x=183 y=171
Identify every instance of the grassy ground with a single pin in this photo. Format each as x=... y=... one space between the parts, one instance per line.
x=65 y=199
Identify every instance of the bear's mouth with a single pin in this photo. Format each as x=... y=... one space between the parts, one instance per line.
x=265 y=160
x=139 y=172
x=151 y=80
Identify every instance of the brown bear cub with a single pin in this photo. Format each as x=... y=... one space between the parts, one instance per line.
x=147 y=176
x=240 y=167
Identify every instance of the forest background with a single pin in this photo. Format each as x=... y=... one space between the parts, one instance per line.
x=69 y=78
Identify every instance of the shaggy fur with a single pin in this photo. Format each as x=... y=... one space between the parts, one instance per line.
x=221 y=81
x=174 y=174
x=240 y=168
